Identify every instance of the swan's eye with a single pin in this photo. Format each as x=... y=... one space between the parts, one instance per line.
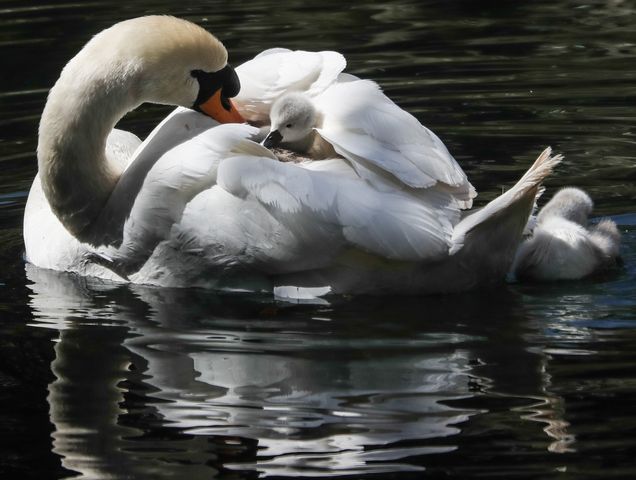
x=289 y=125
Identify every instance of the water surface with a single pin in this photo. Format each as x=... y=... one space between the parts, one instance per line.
x=524 y=381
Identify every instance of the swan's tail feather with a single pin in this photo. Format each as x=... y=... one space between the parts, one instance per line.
x=487 y=240
x=527 y=188
x=540 y=169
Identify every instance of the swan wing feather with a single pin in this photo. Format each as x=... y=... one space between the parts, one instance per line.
x=277 y=71
x=506 y=214
x=177 y=128
x=364 y=124
x=391 y=224
x=120 y=147
x=176 y=178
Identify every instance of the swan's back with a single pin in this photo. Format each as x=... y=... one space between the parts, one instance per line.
x=277 y=71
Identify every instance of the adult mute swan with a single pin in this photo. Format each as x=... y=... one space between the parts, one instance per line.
x=199 y=203
x=562 y=246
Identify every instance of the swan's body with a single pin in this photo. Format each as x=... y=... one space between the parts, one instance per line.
x=203 y=204
x=562 y=246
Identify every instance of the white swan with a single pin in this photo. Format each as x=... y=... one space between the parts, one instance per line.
x=202 y=204
x=562 y=246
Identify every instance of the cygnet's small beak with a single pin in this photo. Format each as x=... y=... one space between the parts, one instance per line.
x=273 y=139
x=221 y=109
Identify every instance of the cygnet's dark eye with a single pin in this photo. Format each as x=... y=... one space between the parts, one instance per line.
x=289 y=125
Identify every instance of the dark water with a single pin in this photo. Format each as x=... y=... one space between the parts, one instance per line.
x=519 y=382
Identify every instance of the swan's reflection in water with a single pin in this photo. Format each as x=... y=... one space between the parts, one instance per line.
x=163 y=383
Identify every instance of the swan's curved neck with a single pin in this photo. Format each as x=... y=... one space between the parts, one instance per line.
x=82 y=109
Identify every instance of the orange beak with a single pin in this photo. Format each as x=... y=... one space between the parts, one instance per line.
x=214 y=108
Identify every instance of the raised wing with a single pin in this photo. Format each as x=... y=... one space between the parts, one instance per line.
x=277 y=71
x=501 y=214
x=367 y=128
x=325 y=206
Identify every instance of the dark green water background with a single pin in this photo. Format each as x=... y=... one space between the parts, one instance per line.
x=518 y=382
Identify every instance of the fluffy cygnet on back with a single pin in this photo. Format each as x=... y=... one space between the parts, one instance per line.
x=562 y=247
x=293 y=120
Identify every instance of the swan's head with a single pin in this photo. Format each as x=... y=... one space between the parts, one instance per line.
x=165 y=60
x=292 y=118
x=570 y=203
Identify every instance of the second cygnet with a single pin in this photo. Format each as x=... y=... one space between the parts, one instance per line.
x=562 y=246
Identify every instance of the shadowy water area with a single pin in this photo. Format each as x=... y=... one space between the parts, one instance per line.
x=523 y=381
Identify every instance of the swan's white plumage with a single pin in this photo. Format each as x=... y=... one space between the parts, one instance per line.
x=277 y=71
x=175 y=179
x=177 y=128
x=121 y=147
x=203 y=204
x=391 y=224
x=529 y=182
x=356 y=118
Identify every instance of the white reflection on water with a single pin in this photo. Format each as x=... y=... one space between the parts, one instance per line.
x=313 y=409
x=292 y=395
